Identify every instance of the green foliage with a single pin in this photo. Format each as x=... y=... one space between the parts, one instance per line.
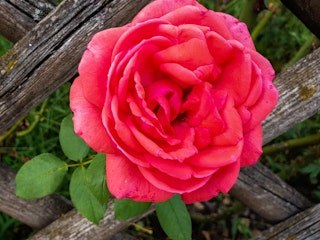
x=85 y=196
x=18 y=148
x=313 y=170
x=282 y=37
x=5 y=45
x=40 y=176
x=44 y=173
x=174 y=218
x=72 y=145
x=96 y=176
x=239 y=226
x=12 y=229
x=127 y=208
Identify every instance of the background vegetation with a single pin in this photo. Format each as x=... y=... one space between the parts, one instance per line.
x=279 y=36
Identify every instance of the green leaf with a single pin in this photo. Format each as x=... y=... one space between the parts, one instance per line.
x=72 y=145
x=40 y=176
x=96 y=178
x=83 y=198
x=174 y=218
x=127 y=208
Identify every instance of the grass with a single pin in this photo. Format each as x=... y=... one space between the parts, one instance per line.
x=280 y=41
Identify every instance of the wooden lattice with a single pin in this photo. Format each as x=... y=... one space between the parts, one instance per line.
x=50 y=40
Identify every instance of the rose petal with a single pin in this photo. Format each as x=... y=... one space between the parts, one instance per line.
x=202 y=17
x=167 y=183
x=180 y=74
x=189 y=54
x=124 y=180
x=183 y=149
x=216 y=157
x=172 y=168
x=237 y=72
x=95 y=64
x=159 y=8
x=238 y=30
x=200 y=109
x=136 y=34
x=263 y=107
x=202 y=137
x=219 y=47
x=256 y=86
x=233 y=131
x=252 y=146
x=220 y=181
x=88 y=115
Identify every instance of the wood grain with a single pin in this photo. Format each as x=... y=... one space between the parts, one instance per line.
x=299 y=88
x=303 y=226
x=73 y=226
x=48 y=56
x=18 y=17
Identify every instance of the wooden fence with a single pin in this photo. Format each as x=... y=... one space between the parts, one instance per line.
x=49 y=41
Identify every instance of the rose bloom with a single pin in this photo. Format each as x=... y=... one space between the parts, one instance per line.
x=175 y=99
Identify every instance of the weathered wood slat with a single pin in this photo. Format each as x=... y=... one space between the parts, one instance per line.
x=303 y=226
x=18 y=17
x=270 y=125
x=35 y=213
x=266 y=194
x=299 y=88
x=73 y=226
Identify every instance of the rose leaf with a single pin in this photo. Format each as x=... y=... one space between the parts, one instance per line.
x=83 y=198
x=96 y=178
x=40 y=176
x=127 y=208
x=174 y=218
x=72 y=145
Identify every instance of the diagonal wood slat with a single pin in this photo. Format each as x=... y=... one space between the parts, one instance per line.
x=303 y=226
x=18 y=17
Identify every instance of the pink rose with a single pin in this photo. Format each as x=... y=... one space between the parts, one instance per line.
x=175 y=99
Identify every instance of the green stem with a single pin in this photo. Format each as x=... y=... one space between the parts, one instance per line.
x=261 y=24
x=79 y=164
x=36 y=120
x=303 y=51
x=293 y=143
x=10 y=131
x=227 y=7
x=248 y=14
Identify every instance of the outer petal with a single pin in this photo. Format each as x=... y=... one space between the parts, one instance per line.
x=238 y=30
x=172 y=184
x=159 y=8
x=269 y=95
x=235 y=77
x=221 y=181
x=124 y=180
x=87 y=120
x=95 y=64
x=251 y=147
